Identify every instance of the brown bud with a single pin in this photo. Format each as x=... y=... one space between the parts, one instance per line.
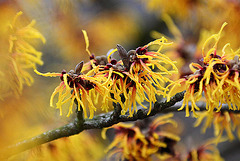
x=124 y=55
x=78 y=67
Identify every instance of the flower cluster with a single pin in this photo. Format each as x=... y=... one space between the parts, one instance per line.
x=75 y=86
x=137 y=77
x=20 y=56
x=217 y=78
x=134 y=142
x=222 y=121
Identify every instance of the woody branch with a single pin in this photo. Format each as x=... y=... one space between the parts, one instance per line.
x=98 y=122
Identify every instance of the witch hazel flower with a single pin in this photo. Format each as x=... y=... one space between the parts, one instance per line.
x=138 y=76
x=75 y=86
x=217 y=78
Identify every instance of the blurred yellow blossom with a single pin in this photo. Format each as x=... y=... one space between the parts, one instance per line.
x=181 y=9
x=20 y=57
x=207 y=151
x=138 y=143
x=222 y=121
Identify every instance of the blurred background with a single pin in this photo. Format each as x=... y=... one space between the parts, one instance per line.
x=131 y=23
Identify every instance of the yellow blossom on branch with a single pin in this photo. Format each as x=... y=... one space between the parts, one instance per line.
x=75 y=86
x=217 y=78
x=146 y=72
x=137 y=77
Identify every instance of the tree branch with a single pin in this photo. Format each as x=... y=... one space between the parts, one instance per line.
x=98 y=122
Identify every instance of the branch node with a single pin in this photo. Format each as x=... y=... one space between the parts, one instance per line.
x=141 y=114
